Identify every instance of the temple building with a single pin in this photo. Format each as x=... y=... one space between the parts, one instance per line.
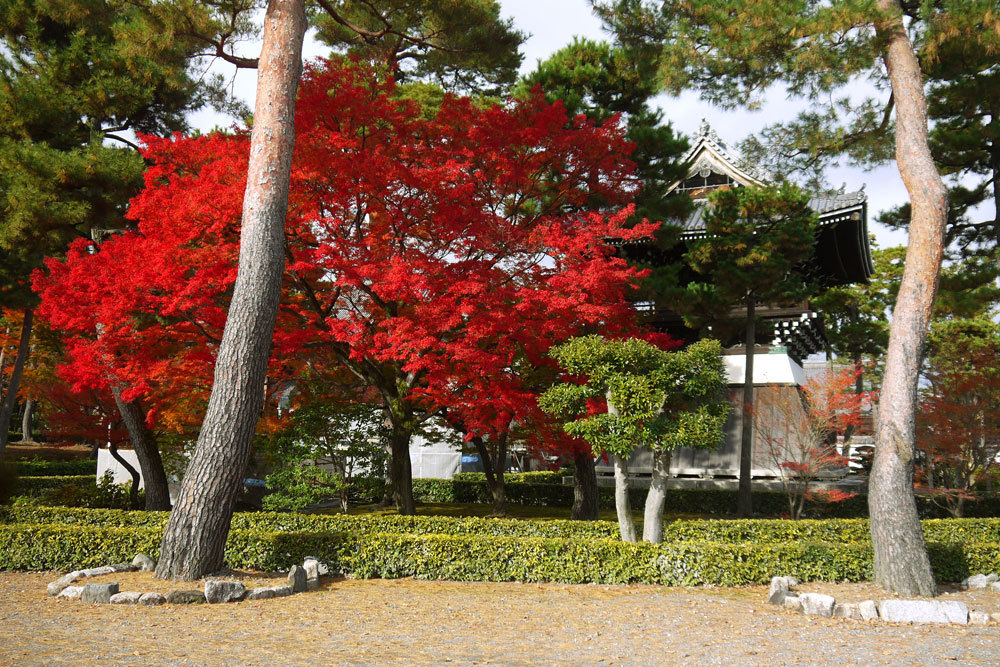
x=842 y=256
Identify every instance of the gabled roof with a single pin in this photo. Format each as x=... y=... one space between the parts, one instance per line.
x=708 y=155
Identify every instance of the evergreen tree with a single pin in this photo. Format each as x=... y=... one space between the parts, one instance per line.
x=755 y=248
x=75 y=78
x=735 y=49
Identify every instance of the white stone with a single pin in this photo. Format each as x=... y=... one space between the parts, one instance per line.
x=123 y=567
x=868 y=610
x=98 y=571
x=847 y=610
x=99 y=593
x=995 y=618
x=778 y=591
x=992 y=577
x=152 y=599
x=144 y=562
x=976 y=582
x=817 y=604
x=126 y=597
x=224 y=591
x=923 y=611
x=311 y=566
x=71 y=592
x=978 y=618
x=56 y=587
x=793 y=603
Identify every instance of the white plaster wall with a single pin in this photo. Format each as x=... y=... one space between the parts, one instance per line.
x=767 y=369
x=107 y=462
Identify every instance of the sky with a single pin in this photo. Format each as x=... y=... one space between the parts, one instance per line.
x=552 y=24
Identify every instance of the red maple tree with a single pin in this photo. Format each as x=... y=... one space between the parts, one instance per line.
x=432 y=258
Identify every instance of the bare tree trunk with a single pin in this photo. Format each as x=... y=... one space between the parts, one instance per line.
x=146 y=451
x=402 y=473
x=27 y=433
x=195 y=538
x=10 y=399
x=493 y=471
x=584 y=487
x=744 y=499
x=133 y=492
x=902 y=565
x=652 y=523
x=626 y=526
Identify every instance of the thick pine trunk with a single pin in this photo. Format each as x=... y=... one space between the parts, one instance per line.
x=195 y=538
x=744 y=498
x=401 y=471
x=10 y=398
x=27 y=433
x=626 y=526
x=584 y=487
x=154 y=477
x=902 y=565
x=652 y=523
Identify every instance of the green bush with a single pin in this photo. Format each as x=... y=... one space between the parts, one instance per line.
x=37 y=485
x=717 y=502
x=697 y=530
x=40 y=468
x=533 y=477
x=489 y=558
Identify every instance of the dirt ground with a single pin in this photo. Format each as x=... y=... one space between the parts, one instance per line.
x=423 y=622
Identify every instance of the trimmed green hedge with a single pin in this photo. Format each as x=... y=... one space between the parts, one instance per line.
x=476 y=558
x=34 y=486
x=715 y=530
x=719 y=502
x=56 y=468
x=533 y=477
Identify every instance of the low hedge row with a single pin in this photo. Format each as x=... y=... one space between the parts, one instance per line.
x=729 y=531
x=34 y=486
x=533 y=477
x=56 y=468
x=479 y=558
x=719 y=502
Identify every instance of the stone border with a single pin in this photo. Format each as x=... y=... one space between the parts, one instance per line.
x=301 y=578
x=894 y=611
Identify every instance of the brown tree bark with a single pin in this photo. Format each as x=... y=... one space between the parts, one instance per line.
x=744 y=497
x=902 y=565
x=154 y=477
x=585 y=507
x=10 y=398
x=493 y=470
x=401 y=471
x=133 y=492
x=194 y=541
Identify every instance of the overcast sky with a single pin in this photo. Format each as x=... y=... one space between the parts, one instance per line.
x=551 y=24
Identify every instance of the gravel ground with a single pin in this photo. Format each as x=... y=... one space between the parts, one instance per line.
x=419 y=622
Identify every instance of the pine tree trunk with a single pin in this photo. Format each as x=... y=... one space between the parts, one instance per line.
x=584 y=487
x=652 y=523
x=902 y=565
x=626 y=526
x=744 y=499
x=402 y=472
x=195 y=538
x=27 y=433
x=10 y=398
x=154 y=477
